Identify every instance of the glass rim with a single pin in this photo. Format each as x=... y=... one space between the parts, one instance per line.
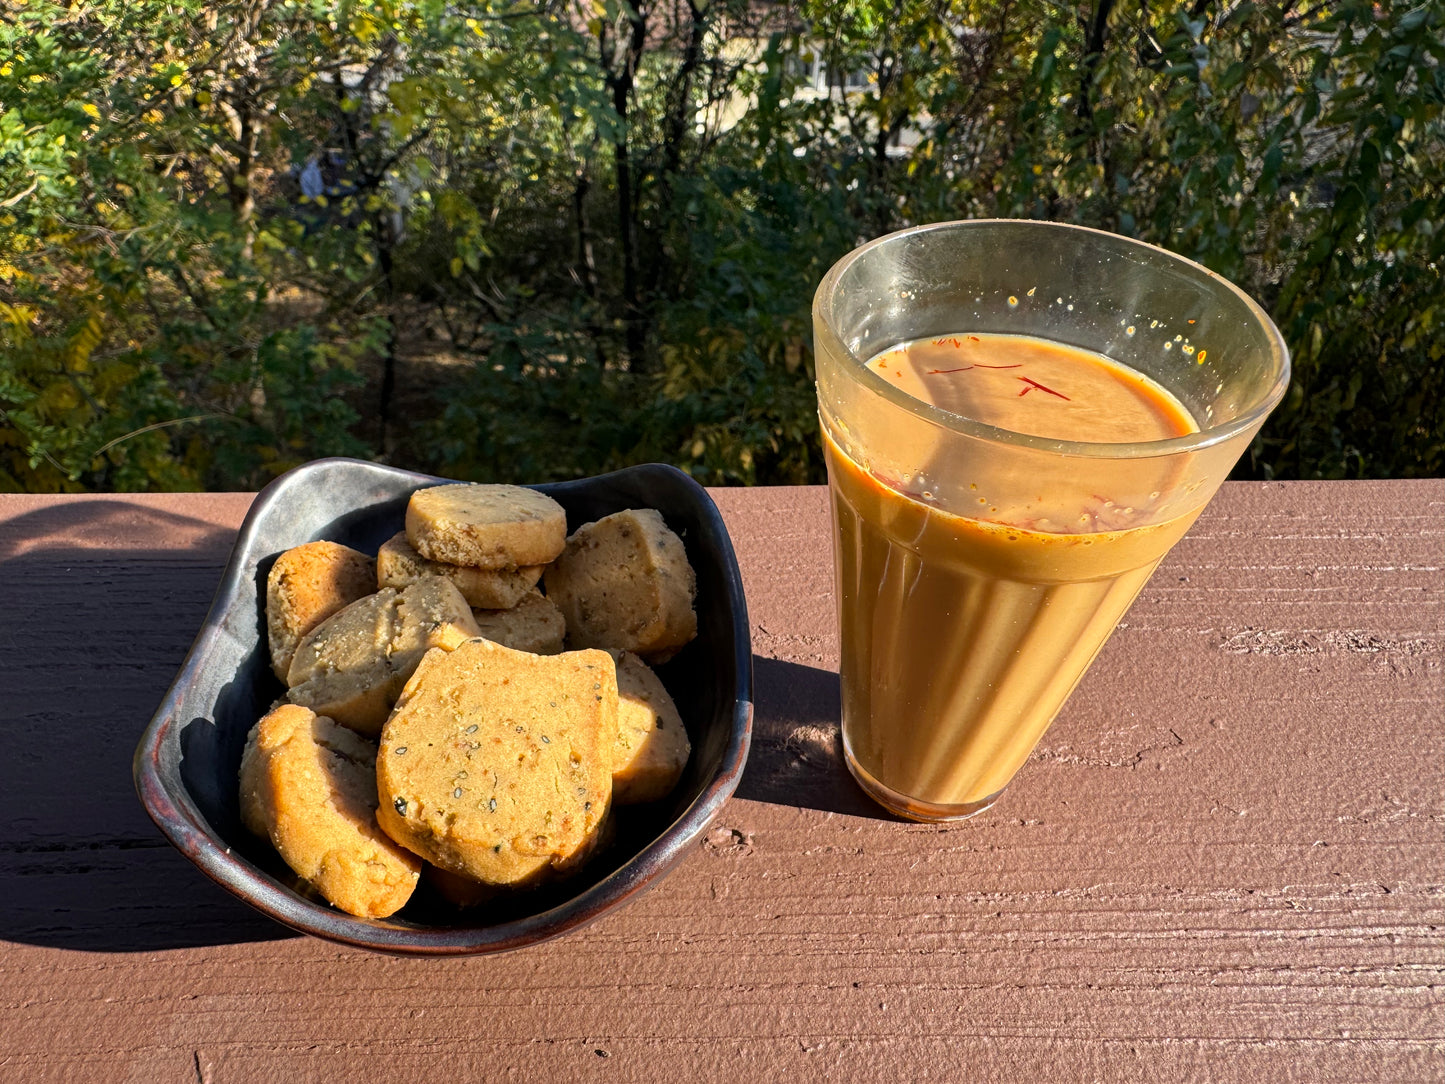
x=1204 y=437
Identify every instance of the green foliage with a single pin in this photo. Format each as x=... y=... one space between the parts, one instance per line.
x=1298 y=154
x=231 y=234
x=143 y=285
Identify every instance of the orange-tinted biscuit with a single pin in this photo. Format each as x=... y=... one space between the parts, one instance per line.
x=534 y=625
x=625 y=582
x=497 y=764
x=397 y=565
x=485 y=526
x=353 y=666
x=307 y=585
x=652 y=746
x=309 y=786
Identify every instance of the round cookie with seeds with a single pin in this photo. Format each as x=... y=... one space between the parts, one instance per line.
x=309 y=785
x=397 y=565
x=534 y=625
x=652 y=746
x=497 y=764
x=352 y=666
x=625 y=582
x=485 y=526
x=307 y=585
x=464 y=892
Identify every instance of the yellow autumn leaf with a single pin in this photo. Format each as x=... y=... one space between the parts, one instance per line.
x=19 y=315
x=366 y=28
x=456 y=267
x=58 y=397
x=90 y=110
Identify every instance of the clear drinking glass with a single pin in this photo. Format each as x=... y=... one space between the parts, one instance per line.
x=979 y=570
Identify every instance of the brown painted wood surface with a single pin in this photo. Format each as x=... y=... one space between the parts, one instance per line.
x=1225 y=860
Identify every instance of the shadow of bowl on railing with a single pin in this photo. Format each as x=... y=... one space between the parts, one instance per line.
x=95 y=636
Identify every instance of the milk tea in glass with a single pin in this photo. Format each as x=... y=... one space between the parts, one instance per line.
x=1019 y=420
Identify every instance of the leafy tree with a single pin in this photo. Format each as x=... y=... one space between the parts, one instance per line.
x=155 y=260
x=230 y=232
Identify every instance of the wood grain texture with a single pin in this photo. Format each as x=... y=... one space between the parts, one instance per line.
x=1225 y=860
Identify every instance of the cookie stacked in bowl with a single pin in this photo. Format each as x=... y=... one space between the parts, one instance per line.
x=507 y=721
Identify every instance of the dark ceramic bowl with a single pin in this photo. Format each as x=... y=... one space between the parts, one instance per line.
x=187 y=762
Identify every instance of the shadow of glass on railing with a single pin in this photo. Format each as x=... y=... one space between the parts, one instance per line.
x=797 y=751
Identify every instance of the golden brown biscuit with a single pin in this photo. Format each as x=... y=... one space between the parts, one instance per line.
x=256 y=796
x=625 y=582
x=485 y=526
x=307 y=585
x=352 y=666
x=397 y=565
x=534 y=625
x=463 y=892
x=652 y=746
x=497 y=764
x=309 y=786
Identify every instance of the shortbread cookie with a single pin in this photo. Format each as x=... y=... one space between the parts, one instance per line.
x=309 y=786
x=307 y=585
x=624 y=582
x=397 y=565
x=534 y=625
x=652 y=746
x=497 y=764
x=353 y=666
x=464 y=892
x=485 y=526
